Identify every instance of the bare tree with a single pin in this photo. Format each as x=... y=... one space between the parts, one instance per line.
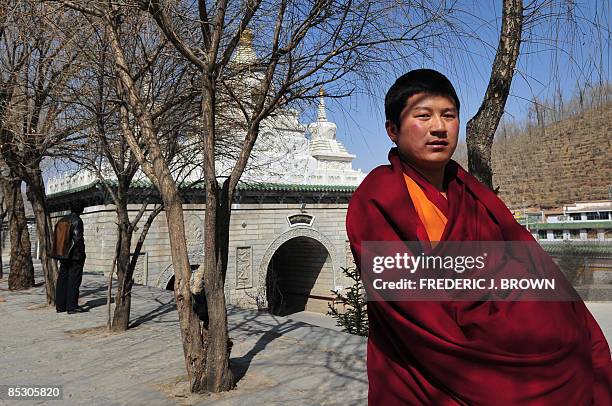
x=481 y=128
x=2 y=217
x=21 y=271
x=165 y=86
x=523 y=23
x=36 y=68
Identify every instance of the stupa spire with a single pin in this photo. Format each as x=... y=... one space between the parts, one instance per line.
x=322 y=115
x=245 y=54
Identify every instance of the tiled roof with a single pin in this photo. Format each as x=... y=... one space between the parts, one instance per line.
x=297 y=188
x=594 y=248
x=267 y=187
x=74 y=190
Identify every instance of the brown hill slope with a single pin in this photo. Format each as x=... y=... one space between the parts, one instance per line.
x=569 y=160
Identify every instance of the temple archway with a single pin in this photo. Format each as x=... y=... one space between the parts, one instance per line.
x=299 y=277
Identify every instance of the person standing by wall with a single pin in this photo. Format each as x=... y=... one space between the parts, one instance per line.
x=69 y=249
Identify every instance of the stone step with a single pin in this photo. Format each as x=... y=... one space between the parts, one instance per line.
x=596 y=293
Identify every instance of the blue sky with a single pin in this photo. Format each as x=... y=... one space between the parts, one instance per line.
x=542 y=68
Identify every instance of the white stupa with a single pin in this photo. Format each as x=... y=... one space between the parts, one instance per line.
x=284 y=155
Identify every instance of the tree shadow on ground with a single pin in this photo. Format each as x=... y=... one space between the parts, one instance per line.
x=240 y=365
x=92 y=291
x=90 y=304
x=163 y=308
x=343 y=355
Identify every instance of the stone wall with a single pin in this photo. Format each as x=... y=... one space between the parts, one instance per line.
x=257 y=231
x=265 y=229
x=568 y=161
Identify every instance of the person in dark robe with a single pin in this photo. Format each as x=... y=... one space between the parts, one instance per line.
x=485 y=352
x=70 y=272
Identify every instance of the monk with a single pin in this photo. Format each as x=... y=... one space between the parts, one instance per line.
x=461 y=352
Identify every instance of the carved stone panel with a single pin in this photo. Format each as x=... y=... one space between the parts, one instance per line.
x=244 y=268
x=193 y=231
x=195 y=240
x=350 y=261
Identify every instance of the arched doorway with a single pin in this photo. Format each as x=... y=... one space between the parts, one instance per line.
x=299 y=277
x=170 y=284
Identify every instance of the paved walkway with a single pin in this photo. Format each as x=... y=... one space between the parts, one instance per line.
x=282 y=361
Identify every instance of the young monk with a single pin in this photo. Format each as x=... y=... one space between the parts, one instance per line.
x=461 y=353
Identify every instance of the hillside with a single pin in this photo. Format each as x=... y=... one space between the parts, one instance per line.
x=569 y=160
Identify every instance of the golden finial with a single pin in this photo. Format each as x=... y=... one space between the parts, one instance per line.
x=246 y=37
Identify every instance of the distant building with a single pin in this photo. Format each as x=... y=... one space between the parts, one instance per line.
x=581 y=221
x=583 y=232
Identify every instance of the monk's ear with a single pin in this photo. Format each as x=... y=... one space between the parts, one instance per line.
x=392 y=130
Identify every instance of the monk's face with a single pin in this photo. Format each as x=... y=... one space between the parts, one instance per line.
x=428 y=131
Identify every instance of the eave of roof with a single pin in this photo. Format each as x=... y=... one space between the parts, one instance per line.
x=264 y=187
x=73 y=190
x=572 y=225
x=594 y=248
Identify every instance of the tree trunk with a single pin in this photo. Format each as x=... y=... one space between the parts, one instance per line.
x=123 y=297
x=2 y=217
x=193 y=340
x=481 y=128
x=219 y=376
x=1 y=246
x=129 y=260
x=109 y=292
x=1 y=264
x=21 y=272
x=158 y=171
x=44 y=229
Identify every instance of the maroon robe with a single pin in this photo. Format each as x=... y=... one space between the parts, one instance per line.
x=470 y=353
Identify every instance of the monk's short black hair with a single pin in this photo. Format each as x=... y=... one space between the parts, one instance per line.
x=416 y=81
